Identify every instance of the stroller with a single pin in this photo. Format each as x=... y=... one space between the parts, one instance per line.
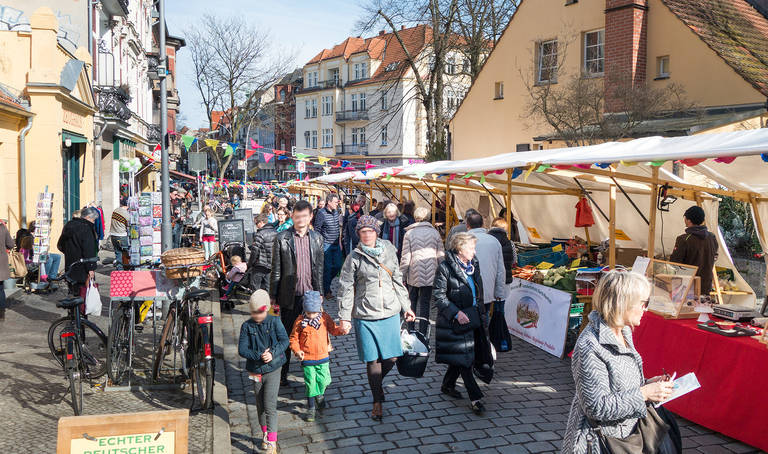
x=242 y=289
x=31 y=283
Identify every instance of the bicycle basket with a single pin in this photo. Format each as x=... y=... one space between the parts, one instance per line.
x=182 y=256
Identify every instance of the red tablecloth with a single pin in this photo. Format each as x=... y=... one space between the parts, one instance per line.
x=733 y=372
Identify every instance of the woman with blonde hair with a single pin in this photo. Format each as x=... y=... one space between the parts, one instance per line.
x=269 y=210
x=612 y=396
x=209 y=228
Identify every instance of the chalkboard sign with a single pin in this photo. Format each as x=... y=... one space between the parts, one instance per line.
x=246 y=214
x=231 y=231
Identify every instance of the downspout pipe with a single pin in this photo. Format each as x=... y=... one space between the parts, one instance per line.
x=97 y=192
x=23 y=171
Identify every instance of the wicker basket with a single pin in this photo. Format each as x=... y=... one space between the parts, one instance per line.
x=183 y=256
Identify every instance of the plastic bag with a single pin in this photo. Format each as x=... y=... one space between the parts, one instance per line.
x=411 y=343
x=498 y=331
x=92 y=300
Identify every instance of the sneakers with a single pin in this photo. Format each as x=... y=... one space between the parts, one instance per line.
x=321 y=403
x=224 y=298
x=271 y=447
x=477 y=407
x=450 y=392
x=310 y=415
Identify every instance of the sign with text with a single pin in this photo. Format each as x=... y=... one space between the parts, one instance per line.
x=197 y=162
x=301 y=166
x=538 y=315
x=231 y=231
x=242 y=164
x=246 y=214
x=153 y=432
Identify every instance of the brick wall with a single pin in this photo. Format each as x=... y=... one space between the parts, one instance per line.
x=626 y=35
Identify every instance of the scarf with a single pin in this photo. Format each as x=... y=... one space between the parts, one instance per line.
x=373 y=251
x=313 y=322
x=469 y=269
x=392 y=232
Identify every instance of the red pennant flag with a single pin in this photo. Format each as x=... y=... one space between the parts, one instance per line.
x=692 y=161
x=451 y=177
x=726 y=159
x=487 y=172
x=562 y=167
x=254 y=144
x=279 y=152
x=499 y=172
x=396 y=170
x=337 y=165
x=267 y=156
x=157 y=147
x=368 y=165
x=249 y=153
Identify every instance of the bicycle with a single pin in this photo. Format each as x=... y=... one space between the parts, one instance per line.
x=81 y=355
x=189 y=333
x=120 y=339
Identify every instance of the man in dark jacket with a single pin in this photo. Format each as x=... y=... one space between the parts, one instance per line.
x=297 y=267
x=697 y=247
x=78 y=240
x=350 y=238
x=328 y=224
x=260 y=261
x=499 y=231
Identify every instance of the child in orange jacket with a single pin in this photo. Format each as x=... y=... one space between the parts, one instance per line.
x=310 y=342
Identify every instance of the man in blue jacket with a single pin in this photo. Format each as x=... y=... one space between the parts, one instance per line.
x=328 y=224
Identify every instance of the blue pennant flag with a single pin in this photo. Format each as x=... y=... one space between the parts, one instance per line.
x=764 y=156
x=517 y=172
x=364 y=172
x=603 y=165
x=345 y=163
x=281 y=157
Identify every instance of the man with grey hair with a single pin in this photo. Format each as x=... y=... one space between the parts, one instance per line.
x=328 y=224
x=78 y=240
x=459 y=228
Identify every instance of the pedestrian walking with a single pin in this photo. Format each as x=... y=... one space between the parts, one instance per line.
x=422 y=253
x=373 y=296
x=209 y=228
x=461 y=227
x=297 y=259
x=498 y=230
x=393 y=226
x=611 y=391
x=284 y=221
x=458 y=296
x=78 y=240
x=328 y=224
x=263 y=341
x=260 y=260
x=118 y=233
x=491 y=259
x=311 y=343
x=6 y=244
x=349 y=236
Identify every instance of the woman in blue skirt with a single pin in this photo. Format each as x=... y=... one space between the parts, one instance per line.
x=372 y=298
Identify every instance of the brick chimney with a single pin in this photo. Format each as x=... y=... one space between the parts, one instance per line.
x=626 y=39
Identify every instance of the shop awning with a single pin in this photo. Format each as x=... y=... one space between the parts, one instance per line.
x=73 y=137
x=182 y=175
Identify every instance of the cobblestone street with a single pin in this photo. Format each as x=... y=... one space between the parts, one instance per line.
x=527 y=407
x=33 y=389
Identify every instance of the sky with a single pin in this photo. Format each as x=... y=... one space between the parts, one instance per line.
x=303 y=27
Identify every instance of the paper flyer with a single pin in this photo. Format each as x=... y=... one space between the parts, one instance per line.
x=683 y=386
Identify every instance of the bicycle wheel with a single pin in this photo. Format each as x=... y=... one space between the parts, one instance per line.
x=203 y=373
x=76 y=384
x=119 y=345
x=165 y=346
x=93 y=346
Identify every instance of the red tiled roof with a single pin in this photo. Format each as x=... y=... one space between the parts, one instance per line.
x=8 y=100
x=736 y=31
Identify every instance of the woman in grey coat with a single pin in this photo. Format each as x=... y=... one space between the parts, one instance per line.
x=6 y=244
x=611 y=390
x=372 y=297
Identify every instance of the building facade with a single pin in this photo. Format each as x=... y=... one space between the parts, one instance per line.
x=46 y=124
x=358 y=100
x=715 y=51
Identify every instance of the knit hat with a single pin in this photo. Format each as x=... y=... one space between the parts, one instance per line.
x=695 y=214
x=313 y=301
x=259 y=301
x=368 y=222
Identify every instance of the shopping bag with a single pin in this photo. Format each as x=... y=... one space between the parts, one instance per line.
x=92 y=300
x=18 y=266
x=415 y=356
x=498 y=330
x=485 y=356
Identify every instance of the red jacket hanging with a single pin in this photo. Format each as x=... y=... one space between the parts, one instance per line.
x=584 y=216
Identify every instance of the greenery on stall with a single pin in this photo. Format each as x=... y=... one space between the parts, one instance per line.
x=738 y=227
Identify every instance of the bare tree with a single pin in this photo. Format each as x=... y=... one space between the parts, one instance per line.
x=480 y=24
x=573 y=105
x=234 y=62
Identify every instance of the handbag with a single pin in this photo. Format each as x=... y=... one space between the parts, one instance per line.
x=17 y=265
x=485 y=356
x=646 y=438
x=498 y=332
x=474 y=321
x=92 y=300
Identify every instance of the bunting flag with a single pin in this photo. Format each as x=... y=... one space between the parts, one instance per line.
x=188 y=141
x=364 y=172
x=388 y=177
x=234 y=146
x=603 y=165
x=279 y=152
x=420 y=175
x=529 y=171
x=211 y=142
x=327 y=169
x=337 y=165
x=322 y=160
x=482 y=179
x=764 y=157
x=280 y=158
x=693 y=161
x=653 y=163
x=228 y=151
x=249 y=153
x=628 y=163
x=725 y=159
x=157 y=148
x=396 y=170
x=345 y=164
x=468 y=175
x=583 y=166
x=542 y=168
x=368 y=165
x=254 y=144
x=267 y=156
x=451 y=177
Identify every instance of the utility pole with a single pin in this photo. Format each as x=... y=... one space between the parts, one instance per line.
x=165 y=181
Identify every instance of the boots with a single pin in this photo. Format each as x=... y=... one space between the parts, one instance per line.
x=2 y=313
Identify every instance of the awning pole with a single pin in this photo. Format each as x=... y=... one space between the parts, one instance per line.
x=509 y=204
x=448 y=201
x=612 y=236
x=652 y=211
x=434 y=207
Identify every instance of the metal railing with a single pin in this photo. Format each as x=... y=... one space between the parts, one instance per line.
x=352 y=115
x=352 y=149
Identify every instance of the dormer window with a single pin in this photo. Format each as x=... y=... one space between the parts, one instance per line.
x=392 y=66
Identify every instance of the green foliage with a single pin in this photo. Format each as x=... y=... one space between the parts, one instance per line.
x=738 y=227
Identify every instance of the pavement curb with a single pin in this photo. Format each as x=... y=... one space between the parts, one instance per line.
x=222 y=442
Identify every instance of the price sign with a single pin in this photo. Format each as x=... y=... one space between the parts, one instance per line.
x=301 y=166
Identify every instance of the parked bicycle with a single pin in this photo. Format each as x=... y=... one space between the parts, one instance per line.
x=77 y=344
x=188 y=334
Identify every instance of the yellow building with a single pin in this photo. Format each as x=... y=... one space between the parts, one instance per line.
x=715 y=50
x=48 y=90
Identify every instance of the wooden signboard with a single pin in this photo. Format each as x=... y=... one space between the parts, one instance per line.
x=152 y=432
x=231 y=231
x=246 y=214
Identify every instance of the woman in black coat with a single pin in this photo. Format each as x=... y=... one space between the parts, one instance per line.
x=499 y=231
x=457 y=290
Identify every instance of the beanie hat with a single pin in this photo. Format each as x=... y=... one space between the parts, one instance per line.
x=259 y=301
x=367 y=222
x=695 y=214
x=313 y=301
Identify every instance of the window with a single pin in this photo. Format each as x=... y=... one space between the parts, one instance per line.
x=312 y=79
x=314 y=108
x=594 y=56
x=361 y=134
x=363 y=70
x=362 y=101
x=393 y=66
x=307 y=110
x=383 y=135
x=450 y=101
x=498 y=90
x=327 y=105
x=450 y=65
x=354 y=136
x=328 y=138
x=547 y=64
x=314 y=139
x=357 y=71
x=662 y=67
x=523 y=147
x=383 y=101
x=354 y=103
x=334 y=76
x=307 y=143
x=466 y=67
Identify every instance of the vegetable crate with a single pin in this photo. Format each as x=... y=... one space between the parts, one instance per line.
x=556 y=258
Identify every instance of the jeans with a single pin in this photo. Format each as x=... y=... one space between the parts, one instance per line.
x=332 y=266
x=420 y=300
x=3 y=304
x=210 y=248
x=122 y=249
x=288 y=316
x=452 y=374
x=176 y=235
x=260 y=279
x=52 y=265
x=266 y=402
